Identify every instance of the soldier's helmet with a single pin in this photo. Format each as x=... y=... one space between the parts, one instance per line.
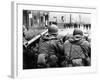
x=53 y=29
x=77 y=33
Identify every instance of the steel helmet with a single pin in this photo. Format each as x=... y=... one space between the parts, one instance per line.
x=77 y=32
x=53 y=29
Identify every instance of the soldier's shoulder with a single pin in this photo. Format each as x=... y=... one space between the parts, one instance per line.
x=86 y=43
x=66 y=42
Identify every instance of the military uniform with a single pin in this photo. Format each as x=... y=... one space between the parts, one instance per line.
x=49 y=49
x=77 y=50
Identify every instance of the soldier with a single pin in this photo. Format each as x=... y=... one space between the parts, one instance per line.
x=77 y=50
x=50 y=49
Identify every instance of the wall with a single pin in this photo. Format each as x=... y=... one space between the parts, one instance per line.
x=5 y=38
